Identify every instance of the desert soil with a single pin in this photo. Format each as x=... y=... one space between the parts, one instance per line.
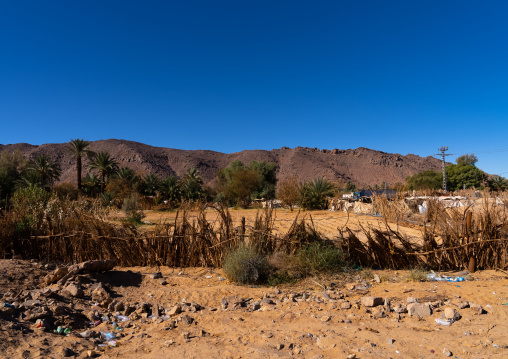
x=299 y=320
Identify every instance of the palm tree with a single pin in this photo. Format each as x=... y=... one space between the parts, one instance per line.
x=313 y=194
x=170 y=188
x=78 y=148
x=105 y=164
x=194 y=175
x=91 y=184
x=150 y=184
x=47 y=170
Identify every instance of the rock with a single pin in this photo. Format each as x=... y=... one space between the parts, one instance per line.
x=279 y=346
x=267 y=301
x=326 y=318
x=56 y=275
x=256 y=305
x=168 y=343
x=411 y=300
x=400 y=309
x=100 y=295
x=186 y=319
x=186 y=335
x=91 y=353
x=163 y=282
x=477 y=309
x=119 y=306
x=379 y=313
x=447 y=353
x=224 y=303
x=351 y=356
x=376 y=278
x=390 y=341
x=451 y=313
x=387 y=305
x=372 y=301
x=463 y=305
x=177 y=309
x=157 y=275
x=345 y=305
x=28 y=304
x=73 y=290
x=419 y=309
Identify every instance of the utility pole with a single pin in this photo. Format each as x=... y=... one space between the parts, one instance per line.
x=443 y=149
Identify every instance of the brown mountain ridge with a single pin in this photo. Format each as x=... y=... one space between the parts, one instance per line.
x=361 y=166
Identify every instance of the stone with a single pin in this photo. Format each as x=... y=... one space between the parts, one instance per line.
x=187 y=319
x=419 y=309
x=73 y=290
x=279 y=346
x=447 y=353
x=387 y=305
x=351 y=356
x=411 y=300
x=345 y=305
x=463 y=305
x=477 y=308
x=119 y=306
x=157 y=275
x=168 y=343
x=163 y=282
x=325 y=318
x=267 y=301
x=379 y=313
x=451 y=313
x=256 y=305
x=376 y=278
x=400 y=309
x=390 y=341
x=224 y=303
x=177 y=309
x=186 y=335
x=372 y=301
x=129 y=309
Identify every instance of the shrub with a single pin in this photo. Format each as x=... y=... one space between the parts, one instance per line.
x=245 y=265
x=132 y=208
x=416 y=275
x=320 y=257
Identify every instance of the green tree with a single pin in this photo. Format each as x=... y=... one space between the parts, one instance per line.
x=79 y=148
x=150 y=185
x=91 y=184
x=498 y=183
x=170 y=189
x=464 y=160
x=313 y=193
x=460 y=176
x=239 y=184
x=47 y=171
x=105 y=165
x=426 y=180
x=11 y=165
x=192 y=185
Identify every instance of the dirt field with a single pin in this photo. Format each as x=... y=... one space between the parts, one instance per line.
x=327 y=223
x=232 y=321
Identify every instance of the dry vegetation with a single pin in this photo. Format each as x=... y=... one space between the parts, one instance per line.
x=77 y=231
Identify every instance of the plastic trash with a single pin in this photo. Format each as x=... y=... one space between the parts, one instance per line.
x=59 y=330
x=220 y=278
x=97 y=323
x=122 y=318
x=434 y=277
x=86 y=334
x=445 y=322
x=208 y=276
x=112 y=343
x=67 y=331
x=105 y=318
x=7 y=305
x=108 y=336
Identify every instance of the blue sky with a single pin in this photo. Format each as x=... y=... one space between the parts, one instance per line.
x=395 y=76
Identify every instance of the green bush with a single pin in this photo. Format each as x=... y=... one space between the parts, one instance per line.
x=132 y=208
x=245 y=265
x=320 y=257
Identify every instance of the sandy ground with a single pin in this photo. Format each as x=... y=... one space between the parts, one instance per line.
x=328 y=223
x=295 y=321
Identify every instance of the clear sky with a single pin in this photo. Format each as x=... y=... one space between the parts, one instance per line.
x=395 y=76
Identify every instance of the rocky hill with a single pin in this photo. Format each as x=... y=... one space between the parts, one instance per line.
x=361 y=166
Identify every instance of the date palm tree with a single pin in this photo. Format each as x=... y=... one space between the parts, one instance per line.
x=105 y=165
x=79 y=148
x=47 y=170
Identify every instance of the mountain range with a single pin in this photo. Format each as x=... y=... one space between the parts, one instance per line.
x=361 y=166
